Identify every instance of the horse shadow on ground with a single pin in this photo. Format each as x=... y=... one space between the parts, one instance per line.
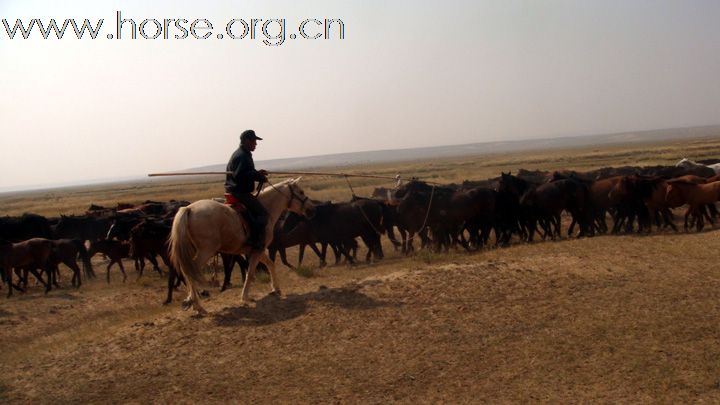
x=272 y=309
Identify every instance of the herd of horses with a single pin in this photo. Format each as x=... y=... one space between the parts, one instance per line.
x=518 y=206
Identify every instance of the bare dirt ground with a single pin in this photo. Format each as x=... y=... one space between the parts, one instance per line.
x=606 y=319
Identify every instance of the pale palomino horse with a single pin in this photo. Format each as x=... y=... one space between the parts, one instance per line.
x=207 y=227
x=687 y=163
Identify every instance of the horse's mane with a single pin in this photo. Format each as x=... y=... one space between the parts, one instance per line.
x=277 y=185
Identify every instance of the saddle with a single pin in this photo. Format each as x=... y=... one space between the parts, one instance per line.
x=241 y=210
x=235 y=204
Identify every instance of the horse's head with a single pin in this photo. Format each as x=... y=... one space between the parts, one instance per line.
x=299 y=203
x=413 y=185
x=511 y=184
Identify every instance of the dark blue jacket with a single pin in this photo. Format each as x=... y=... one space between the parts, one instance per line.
x=244 y=175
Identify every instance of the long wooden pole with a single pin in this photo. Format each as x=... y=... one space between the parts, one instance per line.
x=186 y=174
x=280 y=173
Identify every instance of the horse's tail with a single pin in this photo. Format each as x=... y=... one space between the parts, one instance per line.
x=182 y=250
x=85 y=257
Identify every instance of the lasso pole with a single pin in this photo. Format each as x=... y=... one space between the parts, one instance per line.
x=271 y=173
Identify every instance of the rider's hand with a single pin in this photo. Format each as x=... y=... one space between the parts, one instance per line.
x=263 y=173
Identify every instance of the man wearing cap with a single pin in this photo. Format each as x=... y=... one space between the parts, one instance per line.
x=241 y=184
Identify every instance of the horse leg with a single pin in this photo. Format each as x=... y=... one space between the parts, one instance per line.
x=571 y=228
x=8 y=279
x=72 y=264
x=301 y=254
x=107 y=270
x=408 y=243
x=172 y=275
x=335 y=250
x=709 y=217
x=243 y=263
x=713 y=210
x=378 y=250
x=283 y=258
x=558 y=228
x=687 y=214
x=403 y=237
x=156 y=265
x=351 y=247
x=8 y=275
x=140 y=266
x=56 y=276
x=254 y=260
x=193 y=298
x=35 y=274
x=318 y=254
x=700 y=213
x=50 y=271
x=668 y=218
x=271 y=270
x=22 y=275
x=228 y=261
x=122 y=269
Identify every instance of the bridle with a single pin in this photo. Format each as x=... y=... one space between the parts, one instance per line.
x=293 y=196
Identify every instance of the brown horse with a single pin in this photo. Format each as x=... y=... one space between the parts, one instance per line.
x=207 y=227
x=66 y=251
x=641 y=196
x=31 y=254
x=600 y=201
x=113 y=249
x=681 y=192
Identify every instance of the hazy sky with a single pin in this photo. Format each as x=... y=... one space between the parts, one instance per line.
x=407 y=74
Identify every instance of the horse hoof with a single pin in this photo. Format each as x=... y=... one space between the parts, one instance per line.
x=186 y=305
x=275 y=293
x=204 y=293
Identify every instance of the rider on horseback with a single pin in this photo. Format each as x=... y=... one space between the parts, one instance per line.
x=241 y=184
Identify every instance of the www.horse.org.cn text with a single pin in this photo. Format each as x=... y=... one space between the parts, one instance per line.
x=270 y=32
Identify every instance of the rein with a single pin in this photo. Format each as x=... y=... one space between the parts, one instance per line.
x=293 y=195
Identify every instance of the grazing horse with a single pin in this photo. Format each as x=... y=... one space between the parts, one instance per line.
x=31 y=254
x=681 y=192
x=206 y=227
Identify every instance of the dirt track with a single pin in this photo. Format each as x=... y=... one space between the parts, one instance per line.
x=602 y=319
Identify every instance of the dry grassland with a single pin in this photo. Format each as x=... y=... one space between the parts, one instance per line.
x=604 y=319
